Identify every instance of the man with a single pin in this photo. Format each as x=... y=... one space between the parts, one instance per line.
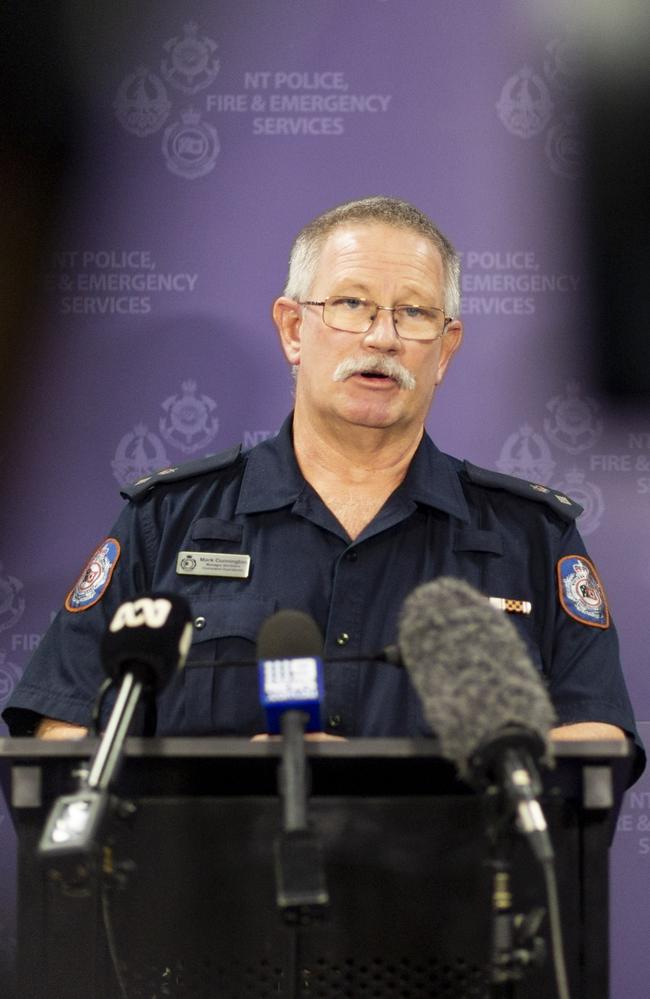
x=342 y=515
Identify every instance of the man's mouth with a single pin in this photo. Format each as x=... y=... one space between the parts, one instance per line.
x=380 y=370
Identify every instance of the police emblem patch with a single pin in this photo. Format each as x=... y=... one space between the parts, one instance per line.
x=95 y=577
x=581 y=591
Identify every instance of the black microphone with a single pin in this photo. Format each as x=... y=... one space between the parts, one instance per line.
x=147 y=641
x=148 y=638
x=481 y=694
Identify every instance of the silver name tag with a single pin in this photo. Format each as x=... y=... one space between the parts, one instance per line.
x=213 y=564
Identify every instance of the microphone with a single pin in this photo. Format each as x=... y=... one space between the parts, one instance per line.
x=147 y=641
x=481 y=694
x=148 y=638
x=289 y=649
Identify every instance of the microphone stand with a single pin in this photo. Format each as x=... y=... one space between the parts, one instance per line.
x=293 y=774
x=515 y=944
x=75 y=820
x=301 y=891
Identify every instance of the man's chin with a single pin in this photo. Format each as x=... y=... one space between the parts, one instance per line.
x=373 y=417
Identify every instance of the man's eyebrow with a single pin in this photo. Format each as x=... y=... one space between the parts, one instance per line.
x=352 y=286
x=411 y=295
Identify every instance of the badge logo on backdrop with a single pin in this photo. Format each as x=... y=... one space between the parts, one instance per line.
x=189 y=424
x=534 y=101
x=190 y=146
x=12 y=608
x=12 y=601
x=9 y=676
x=174 y=100
x=571 y=431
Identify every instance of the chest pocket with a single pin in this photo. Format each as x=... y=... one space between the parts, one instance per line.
x=227 y=627
x=211 y=529
x=223 y=700
x=491 y=576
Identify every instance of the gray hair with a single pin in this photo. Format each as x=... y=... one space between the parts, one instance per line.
x=308 y=244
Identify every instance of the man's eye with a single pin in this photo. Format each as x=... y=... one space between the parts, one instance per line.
x=348 y=303
x=412 y=311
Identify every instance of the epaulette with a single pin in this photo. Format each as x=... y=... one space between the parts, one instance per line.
x=559 y=502
x=176 y=473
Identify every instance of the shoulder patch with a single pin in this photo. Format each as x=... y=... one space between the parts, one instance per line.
x=581 y=592
x=177 y=473
x=95 y=577
x=559 y=502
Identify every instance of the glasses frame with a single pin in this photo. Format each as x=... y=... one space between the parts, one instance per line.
x=385 y=308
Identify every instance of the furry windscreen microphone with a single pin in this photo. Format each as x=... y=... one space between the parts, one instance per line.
x=472 y=672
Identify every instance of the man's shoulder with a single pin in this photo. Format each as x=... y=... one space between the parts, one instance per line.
x=534 y=492
x=181 y=473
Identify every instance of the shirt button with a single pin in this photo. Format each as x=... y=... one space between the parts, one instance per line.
x=199 y=622
x=351 y=556
x=334 y=721
x=343 y=638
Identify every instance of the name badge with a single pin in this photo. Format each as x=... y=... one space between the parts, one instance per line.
x=213 y=564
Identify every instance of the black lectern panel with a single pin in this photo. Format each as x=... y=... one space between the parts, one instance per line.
x=180 y=901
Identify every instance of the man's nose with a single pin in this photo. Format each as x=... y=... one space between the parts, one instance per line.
x=382 y=334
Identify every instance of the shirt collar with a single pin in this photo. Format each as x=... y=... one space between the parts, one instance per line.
x=272 y=478
x=433 y=479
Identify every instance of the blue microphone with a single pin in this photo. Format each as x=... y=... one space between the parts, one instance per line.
x=289 y=648
x=290 y=669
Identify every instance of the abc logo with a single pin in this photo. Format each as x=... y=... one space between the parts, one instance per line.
x=152 y=613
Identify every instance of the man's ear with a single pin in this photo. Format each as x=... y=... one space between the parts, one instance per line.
x=287 y=318
x=451 y=341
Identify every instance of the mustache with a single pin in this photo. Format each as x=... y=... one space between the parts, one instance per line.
x=380 y=365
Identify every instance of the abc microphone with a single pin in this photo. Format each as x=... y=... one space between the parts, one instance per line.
x=147 y=641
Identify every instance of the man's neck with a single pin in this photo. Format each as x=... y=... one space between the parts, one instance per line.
x=353 y=456
x=353 y=469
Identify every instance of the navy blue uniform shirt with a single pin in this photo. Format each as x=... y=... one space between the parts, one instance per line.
x=503 y=536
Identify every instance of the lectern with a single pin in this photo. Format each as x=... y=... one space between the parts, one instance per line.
x=179 y=899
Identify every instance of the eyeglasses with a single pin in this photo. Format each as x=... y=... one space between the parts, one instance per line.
x=356 y=315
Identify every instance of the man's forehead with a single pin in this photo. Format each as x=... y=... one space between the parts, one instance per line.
x=367 y=246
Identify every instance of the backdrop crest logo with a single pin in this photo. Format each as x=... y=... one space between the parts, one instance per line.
x=191 y=146
x=12 y=601
x=190 y=424
x=573 y=426
x=9 y=676
x=561 y=65
x=531 y=102
x=563 y=148
x=525 y=104
x=527 y=455
x=138 y=454
x=141 y=104
x=190 y=67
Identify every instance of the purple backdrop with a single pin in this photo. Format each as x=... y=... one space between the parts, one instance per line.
x=212 y=133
